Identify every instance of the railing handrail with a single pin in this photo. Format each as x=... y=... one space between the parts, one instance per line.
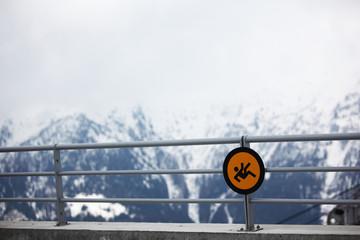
x=175 y=171
x=189 y=200
x=244 y=141
x=187 y=142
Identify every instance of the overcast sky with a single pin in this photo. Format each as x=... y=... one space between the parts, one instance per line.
x=95 y=55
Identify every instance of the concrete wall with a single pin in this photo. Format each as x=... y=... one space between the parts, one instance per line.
x=164 y=231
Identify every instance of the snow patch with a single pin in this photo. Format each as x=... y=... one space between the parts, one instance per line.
x=105 y=210
x=15 y=215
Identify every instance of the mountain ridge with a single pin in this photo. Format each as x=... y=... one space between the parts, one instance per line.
x=138 y=125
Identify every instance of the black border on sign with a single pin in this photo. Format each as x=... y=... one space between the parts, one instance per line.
x=258 y=159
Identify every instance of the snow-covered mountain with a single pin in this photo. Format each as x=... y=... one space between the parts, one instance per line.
x=148 y=124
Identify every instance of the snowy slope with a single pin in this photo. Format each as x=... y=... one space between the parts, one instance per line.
x=321 y=115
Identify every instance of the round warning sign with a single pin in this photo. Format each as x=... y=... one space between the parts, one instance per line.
x=243 y=170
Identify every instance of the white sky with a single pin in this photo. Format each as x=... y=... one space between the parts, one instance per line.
x=93 y=55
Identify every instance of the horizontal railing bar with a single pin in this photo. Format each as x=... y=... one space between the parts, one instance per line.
x=161 y=143
x=27 y=148
x=207 y=171
x=153 y=200
x=187 y=142
x=312 y=169
x=27 y=199
x=304 y=138
x=185 y=200
x=178 y=171
x=135 y=144
x=142 y=172
x=27 y=174
x=307 y=201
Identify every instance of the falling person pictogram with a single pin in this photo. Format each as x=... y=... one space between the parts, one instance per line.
x=243 y=173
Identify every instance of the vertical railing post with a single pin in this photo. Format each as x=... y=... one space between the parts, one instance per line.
x=59 y=188
x=248 y=206
x=249 y=213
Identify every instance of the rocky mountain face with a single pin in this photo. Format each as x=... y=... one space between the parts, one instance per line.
x=141 y=125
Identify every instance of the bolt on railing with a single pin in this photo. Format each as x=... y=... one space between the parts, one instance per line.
x=244 y=142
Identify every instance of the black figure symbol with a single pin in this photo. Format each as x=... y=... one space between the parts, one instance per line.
x=243 y=173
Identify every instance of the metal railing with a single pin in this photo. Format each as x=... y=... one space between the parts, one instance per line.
x=245 y=141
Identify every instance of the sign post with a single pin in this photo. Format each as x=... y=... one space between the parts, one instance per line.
x=244 y=172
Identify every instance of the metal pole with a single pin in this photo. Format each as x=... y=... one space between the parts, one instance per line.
x=248 y=206
x=59 y=188
x=249 y=213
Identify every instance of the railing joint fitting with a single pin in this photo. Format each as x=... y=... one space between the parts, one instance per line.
x=243 y=142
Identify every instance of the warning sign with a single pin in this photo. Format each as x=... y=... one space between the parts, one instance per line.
x=243 y=170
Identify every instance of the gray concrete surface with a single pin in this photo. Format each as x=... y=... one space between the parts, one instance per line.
x=169 y=231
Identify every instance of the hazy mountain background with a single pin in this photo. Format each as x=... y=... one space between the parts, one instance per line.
x=131 y=70
x=139 y=123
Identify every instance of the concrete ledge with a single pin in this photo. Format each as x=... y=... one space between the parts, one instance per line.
x=169 y=231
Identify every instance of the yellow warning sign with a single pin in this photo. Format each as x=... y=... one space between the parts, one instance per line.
x=243 y=170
